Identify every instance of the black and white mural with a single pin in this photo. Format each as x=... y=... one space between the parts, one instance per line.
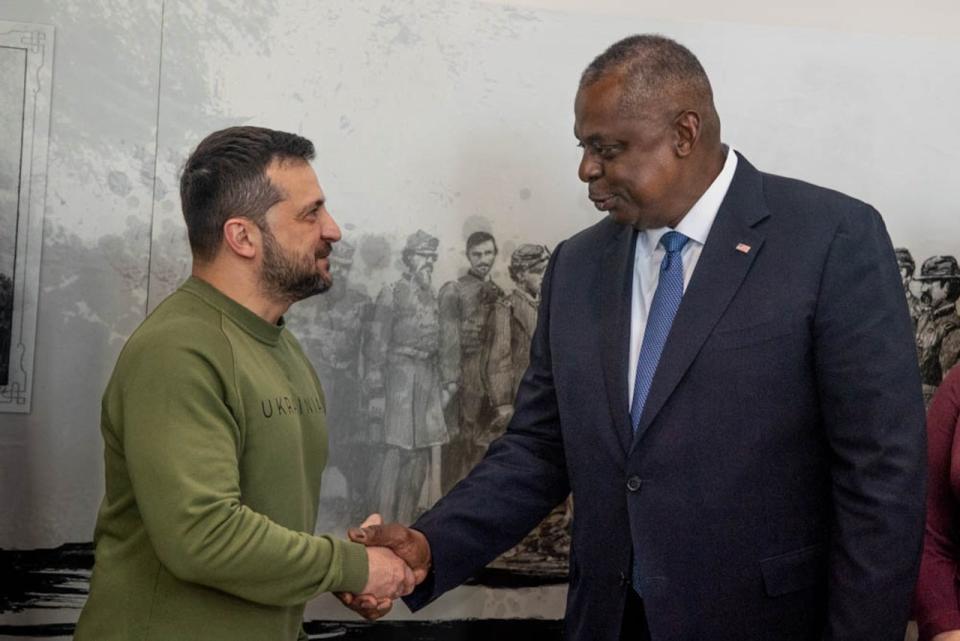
x=932 y=293
x=420 y=379
x=444 y=146
x=26 y=60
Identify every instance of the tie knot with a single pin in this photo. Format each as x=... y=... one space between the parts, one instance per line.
x=673 y=241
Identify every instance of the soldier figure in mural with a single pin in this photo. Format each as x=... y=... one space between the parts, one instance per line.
x=6 y=326
x=514 y=321
x=938 y=341
x=907 y=267
x=403 y=381
x=546 y=549
x=333 y=339
x=466 y=308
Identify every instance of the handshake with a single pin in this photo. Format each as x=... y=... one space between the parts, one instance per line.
x=398 y=559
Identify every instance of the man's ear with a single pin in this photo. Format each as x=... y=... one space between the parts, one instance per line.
x=242 y=236
x=687 y=127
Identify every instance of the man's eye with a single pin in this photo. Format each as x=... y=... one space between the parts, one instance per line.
x=604 y=151
x=607 y=151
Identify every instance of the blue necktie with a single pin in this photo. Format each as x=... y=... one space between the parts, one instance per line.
x=666 y=300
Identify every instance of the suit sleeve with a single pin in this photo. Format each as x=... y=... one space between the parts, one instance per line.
x=872 y=409
x=936 y=606
x=520 y=479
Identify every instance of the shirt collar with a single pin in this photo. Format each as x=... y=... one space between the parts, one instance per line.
x=697 y=222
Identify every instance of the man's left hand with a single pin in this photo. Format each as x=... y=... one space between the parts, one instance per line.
x=366 y=605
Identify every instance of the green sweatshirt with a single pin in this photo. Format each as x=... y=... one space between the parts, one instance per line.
x=214 y=427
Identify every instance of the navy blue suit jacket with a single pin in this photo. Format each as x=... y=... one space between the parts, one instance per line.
x=775 y=487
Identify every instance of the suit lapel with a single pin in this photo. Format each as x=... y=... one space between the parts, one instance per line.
x=615 y=294
x=718 y=275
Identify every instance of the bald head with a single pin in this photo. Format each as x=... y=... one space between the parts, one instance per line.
x=650 y=134
x=657 y=73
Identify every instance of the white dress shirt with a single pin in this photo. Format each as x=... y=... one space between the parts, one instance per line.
x=695 y=225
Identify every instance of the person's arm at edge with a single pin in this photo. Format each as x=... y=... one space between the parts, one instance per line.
x=936 y=602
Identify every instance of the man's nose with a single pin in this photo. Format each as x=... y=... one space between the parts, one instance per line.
x=590 y=168
x=330 y=230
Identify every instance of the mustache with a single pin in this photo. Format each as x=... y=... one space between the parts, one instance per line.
x=323 y=251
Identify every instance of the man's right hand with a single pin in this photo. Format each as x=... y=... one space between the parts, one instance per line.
x=410 y=545
x=389 y=576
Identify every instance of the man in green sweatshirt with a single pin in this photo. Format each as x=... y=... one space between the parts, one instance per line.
x=214 y=422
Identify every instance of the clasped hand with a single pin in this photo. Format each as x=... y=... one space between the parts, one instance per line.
x=398 y=558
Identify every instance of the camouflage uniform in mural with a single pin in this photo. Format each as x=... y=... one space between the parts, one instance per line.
x=466 y=309
x=514 y=321
x=333 y=342
x=546 y=549
x=404 y=382
x=6 y=326
x=938 y=338
x=907 y=267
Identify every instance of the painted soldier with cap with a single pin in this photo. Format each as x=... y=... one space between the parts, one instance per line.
x=514 y=321
x=907 y=268
x=403 y=379
x=466 y=310
x=938 y=341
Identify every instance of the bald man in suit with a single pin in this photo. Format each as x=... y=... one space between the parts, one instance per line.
x=723 y=374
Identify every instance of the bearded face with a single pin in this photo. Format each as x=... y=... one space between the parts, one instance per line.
x=293 y=275
x=421 y=266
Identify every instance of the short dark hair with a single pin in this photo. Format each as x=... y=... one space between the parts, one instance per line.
x=651 y=65
x=225 y=176
x=478 y=237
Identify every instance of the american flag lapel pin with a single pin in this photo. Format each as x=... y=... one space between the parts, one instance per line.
x=743 y=248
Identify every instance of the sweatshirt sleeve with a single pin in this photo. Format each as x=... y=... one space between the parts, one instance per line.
x=181 y=444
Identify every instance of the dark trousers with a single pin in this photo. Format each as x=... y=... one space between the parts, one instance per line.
x=634 y=626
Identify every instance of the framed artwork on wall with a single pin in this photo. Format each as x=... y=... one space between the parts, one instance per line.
x=26 y=61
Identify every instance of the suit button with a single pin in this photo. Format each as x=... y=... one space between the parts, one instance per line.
x=634 y=483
